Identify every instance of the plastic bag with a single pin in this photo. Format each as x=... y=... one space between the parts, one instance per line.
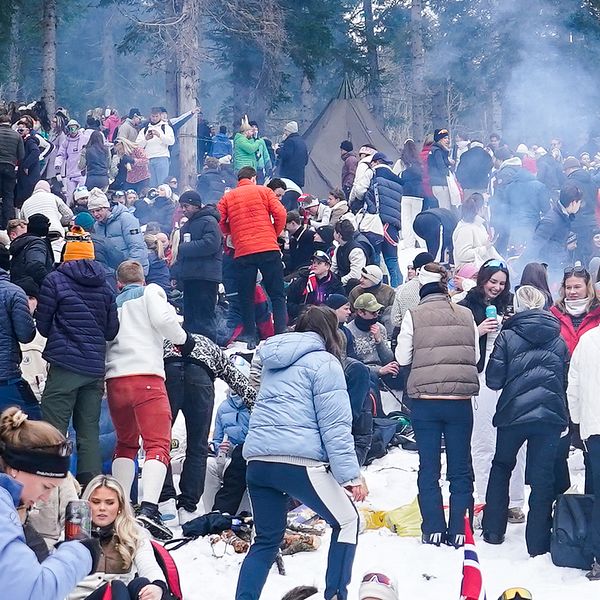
x=405 y=520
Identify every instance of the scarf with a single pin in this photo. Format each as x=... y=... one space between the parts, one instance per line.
x=364 y=324
x=576 y=308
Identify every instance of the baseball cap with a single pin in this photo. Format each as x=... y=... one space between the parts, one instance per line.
x=373 y=273
x=307 y=200
x=321 y=256
x=367 y=302
x=381 y=157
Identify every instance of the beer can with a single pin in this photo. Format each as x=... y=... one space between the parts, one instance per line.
x=78 y=520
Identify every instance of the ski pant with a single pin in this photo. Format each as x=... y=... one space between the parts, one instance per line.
x=271 y=485
x=72 y=395
x=225 y=485
x=191 y=390
x=454 y=420
x=442 y=195
x=410 y=207
x=542 y=443
x=484 y=447
x=438 y=239
x=70 y=183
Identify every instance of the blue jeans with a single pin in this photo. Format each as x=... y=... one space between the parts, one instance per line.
x=542 y=443
x=16 y=392
x=159 y=170
x=454 y=419
x=271 y=485
x=390 y=254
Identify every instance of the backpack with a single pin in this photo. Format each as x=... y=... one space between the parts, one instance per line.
x=383 y=432
x=570 y=541
x=169 y=568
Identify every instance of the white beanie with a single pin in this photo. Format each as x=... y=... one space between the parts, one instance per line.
x=426 y=276
x=97 y=199
x=371 y=587
x=522 y=149
x=291 y=127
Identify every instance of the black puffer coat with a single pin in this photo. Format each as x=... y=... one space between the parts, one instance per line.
x=529 y=364
x=32 y=258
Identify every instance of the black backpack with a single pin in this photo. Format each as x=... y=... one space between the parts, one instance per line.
x=570 y=543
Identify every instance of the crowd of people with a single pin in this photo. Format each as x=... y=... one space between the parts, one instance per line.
x=123 y=295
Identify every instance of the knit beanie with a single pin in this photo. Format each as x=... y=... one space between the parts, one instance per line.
x=80 y=192
x=421 y=259
x=97 y=200
x=336 y=301
x=42 y=186
x=85 y=221
x=326 y=234
x=291 y=127
x=346 y=146
x=190 y=197
x=38 y=225
x=440 y=134
x=78 y=245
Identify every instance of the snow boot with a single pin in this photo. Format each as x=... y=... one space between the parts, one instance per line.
x=149 y=518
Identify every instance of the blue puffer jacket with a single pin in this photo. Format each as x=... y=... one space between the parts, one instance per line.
x=233 y=418
x=78 y=315
x=122 y=230
x=385 y=191
x=16 y=325
x=302 y=409
x=21 y=575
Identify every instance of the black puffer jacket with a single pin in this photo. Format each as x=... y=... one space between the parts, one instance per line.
x=32 y=258
x=529 y=364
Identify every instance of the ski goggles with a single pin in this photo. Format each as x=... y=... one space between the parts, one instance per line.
x=378 y=578
x=494 y=263
x=516 y=594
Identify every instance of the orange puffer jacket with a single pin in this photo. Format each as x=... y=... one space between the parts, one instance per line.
x=253 y=216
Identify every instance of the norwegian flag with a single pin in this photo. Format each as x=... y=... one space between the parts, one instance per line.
x=472 y=581
x=311 y=284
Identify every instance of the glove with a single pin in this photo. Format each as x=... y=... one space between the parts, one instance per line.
x=187 y=346
x=93 y=546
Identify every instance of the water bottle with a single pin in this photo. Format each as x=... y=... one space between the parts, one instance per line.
x=491 y=313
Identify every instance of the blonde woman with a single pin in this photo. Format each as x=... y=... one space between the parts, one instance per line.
x=127 y=562
x=135 y=162
x=158 y=269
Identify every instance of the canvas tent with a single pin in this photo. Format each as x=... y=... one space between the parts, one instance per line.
x=344 y=118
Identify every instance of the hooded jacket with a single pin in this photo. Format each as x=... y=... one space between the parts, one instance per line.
x=221 y=146
x=244 y=152
x=529 y=364
x=385 y=193
x=32 y=258
x=46 y=203
x=293 y=158
x=20 y=572
x=122 y=230
x=350 y=161
x=527 y=198
x=473 y=170
x=211 y=185
x=233 y=418
x=77 y=314
x=302 y=412
x=550 y=238
x=202 y=256
x=16 y=325
x=438 y=166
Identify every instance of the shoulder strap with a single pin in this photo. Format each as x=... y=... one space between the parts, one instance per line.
x=178 y=543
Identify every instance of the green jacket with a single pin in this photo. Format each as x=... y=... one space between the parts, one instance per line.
x=263 y=159
x=244 y=151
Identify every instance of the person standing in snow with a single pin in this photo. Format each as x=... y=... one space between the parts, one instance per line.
x=439 y=163
x=440 y=341
x=300 y=444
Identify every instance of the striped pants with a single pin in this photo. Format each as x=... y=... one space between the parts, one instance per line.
x=271 y=485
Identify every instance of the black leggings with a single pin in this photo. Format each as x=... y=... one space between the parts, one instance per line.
x=120 y=591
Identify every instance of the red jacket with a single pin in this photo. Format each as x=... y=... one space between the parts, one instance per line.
x=426 y=185
x=567 y=331
x=253 y=216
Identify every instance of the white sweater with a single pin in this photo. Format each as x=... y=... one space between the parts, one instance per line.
x=52 y=206
x=584 y=383
x=158 y=145
x=145 y=320
x=470 y=242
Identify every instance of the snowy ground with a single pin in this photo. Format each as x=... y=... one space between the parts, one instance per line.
x=423 y=572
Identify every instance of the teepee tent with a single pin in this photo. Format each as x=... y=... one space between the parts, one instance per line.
x=344 y=118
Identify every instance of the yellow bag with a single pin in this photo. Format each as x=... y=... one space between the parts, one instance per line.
x=405 y=520
x=372 y=519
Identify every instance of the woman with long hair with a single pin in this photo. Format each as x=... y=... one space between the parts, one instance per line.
x=471 y=239
x=135 y=162
x=412 y=193
x=34 y=459
x=440 y=340
x=300 y=445
x=56 y=136
x=127 y=565
x=97 y=162
x=536 y=275
x=492 y=289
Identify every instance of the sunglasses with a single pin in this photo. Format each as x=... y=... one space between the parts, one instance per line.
x=20 y=130
x=579 y=269
x=513 y=593
x=494 y=263
x=378 y=578
x=63 y=449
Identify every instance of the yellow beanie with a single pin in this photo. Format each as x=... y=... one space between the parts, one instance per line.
x=78 y=245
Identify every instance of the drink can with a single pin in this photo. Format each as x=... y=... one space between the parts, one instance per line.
x=78 y=520
x=491 y=312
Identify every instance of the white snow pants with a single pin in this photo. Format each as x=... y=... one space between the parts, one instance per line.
x=410 y=207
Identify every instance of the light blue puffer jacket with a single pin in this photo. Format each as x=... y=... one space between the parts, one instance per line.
x=302 y=409
x=22 y=577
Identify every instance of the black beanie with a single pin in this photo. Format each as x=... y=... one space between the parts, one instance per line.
x=347 y=146
x=336 y=301
x=38 y=225
x=440 y=134
x=326 y=234
x=422 y=259
x=190 y=197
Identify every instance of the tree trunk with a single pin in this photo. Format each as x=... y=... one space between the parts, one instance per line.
x=374 y=84
x=496 y=112
x=49 y=55
x=188 y=88
x=108 y=62
x=171 y=81
x=306 y=103
x=14 y=57
x=418 y=72
x=439 y=113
